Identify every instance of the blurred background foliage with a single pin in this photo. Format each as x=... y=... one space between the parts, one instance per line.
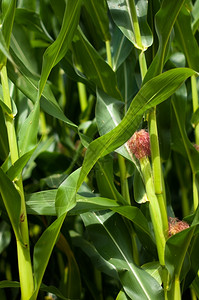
x=74 y=111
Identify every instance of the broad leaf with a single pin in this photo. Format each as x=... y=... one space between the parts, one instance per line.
x=179 y=104
x=56 y=51
x=121 y=48
x=27 y=82
x=65 y=198
x=111 y=239
x=165 y=19
x=32 y=20
x=12 y=202
x=18 y=166
x=27 y=137
x=98 y=14
x=152 y=93
x=105 y=179
x=94 y=66
x=45 y=244
x=124 y=12
x=8 y=12
x=4 y=148
x=43 y=250
x=183 y=32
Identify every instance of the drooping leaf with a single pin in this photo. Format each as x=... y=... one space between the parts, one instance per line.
x=27 y=82
x=152 y=93
x=123 y=13
x=32 y=20
x=8 y=283
x=110 y=237
x=56 y=51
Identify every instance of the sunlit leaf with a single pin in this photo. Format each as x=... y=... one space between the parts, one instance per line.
x=56 y=51
x=165 y=19
x=123 y=14
x=152 y=93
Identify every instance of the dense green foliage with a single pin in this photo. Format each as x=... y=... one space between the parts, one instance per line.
x=81 y=216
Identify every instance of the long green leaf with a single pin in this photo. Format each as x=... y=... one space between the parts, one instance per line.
x=8 y=13
x=179 y=105
x=4 y=149
x=165 y=19
x=32 y=20
x=45 y=244
x=121 y=48
x=12 y=202
x=56 y=51
x=29 y=130
x=124 y=12
x=152 y=93
x=183 y=32
x=27 y=82
x=65 y=198
x=94 y=66
x=98 y=14
x=43 y=250
x=18 y=166
x=105 y=179
x=111 y=239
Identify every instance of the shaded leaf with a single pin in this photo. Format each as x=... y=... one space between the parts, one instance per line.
x=105 y=180
x=94 y=66
x=32 y=20
x=121 y=48
x=178 y=103
x=5 y=236
x=4 y=148
x=12 y=202
x=8 y=13
x=56 y=51
x=98 y=15
x=186 y=39
x=27 y=82
x=111 y=240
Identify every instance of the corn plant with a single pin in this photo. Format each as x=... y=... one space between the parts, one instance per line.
x=99 y=149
